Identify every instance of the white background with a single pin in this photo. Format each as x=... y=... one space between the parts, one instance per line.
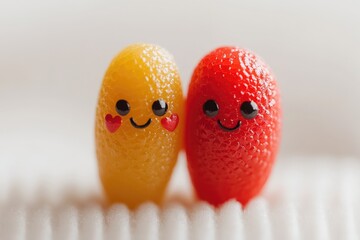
x=53 y=55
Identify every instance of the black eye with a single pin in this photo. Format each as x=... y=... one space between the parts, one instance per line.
x=249 y=109
x=211 y=108
x=122 y=107
x=159 y=107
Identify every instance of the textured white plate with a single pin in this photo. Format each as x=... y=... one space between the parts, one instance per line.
x=306 y=198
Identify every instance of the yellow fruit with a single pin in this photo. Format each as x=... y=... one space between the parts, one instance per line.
x=139 y=124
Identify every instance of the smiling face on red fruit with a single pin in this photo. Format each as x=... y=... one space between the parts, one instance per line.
x=233 y=123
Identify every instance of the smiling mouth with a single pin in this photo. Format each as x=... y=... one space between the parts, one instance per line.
x=227 y=128
x=135 y=125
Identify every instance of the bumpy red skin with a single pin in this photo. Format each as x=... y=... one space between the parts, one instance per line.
x=225 y=165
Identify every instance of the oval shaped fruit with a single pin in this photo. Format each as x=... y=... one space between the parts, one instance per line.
x=232 y=128
x=138 y=124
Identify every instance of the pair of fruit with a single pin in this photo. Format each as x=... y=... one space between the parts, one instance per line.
x=231 y=119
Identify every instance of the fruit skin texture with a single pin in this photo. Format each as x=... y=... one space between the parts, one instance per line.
x=231 y=164
x=135 y=164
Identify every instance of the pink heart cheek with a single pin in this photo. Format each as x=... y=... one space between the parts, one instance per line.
x=112 y=123
x=170 y=123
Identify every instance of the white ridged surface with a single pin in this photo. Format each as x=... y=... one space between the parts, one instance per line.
x=313 y=199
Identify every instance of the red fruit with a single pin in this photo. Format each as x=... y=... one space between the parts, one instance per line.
x=232 y=125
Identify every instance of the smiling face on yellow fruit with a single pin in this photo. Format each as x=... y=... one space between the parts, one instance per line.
x=138 y=123
x=139 y=95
